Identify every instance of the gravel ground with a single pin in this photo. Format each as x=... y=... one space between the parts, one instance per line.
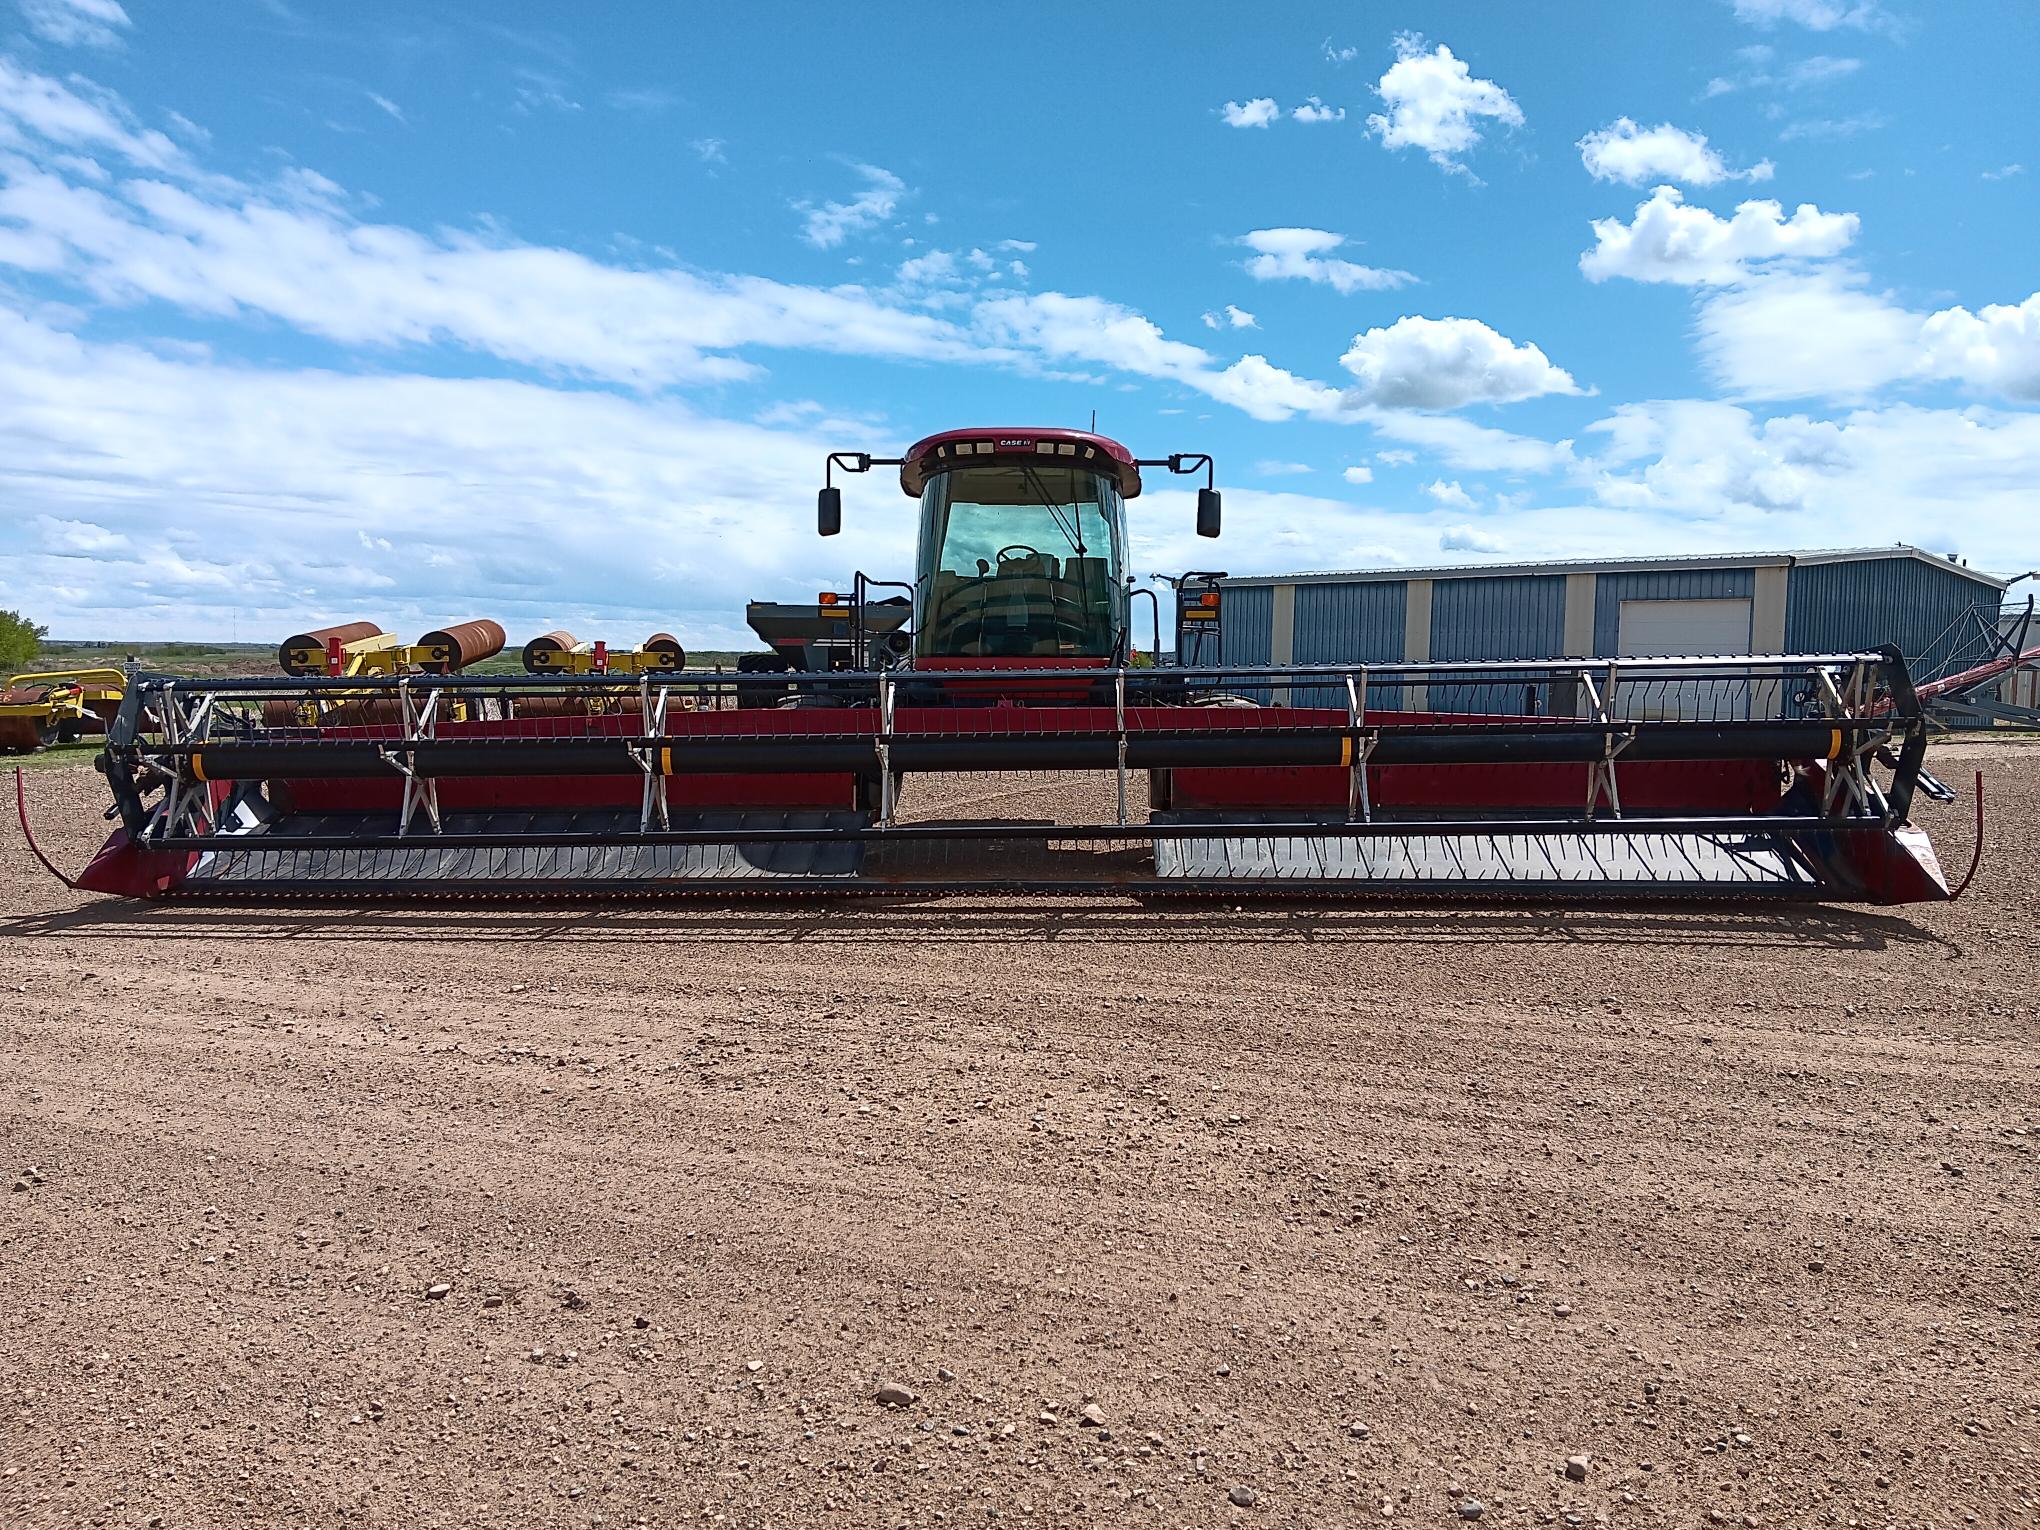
x=626 y=1216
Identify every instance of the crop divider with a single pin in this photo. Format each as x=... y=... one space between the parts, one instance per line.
x=421 y=723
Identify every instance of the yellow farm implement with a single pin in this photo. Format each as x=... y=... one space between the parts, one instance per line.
x=57 y=706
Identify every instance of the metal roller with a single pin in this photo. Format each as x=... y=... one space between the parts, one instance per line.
x=461 y=646
x=21 y=735
x=376 y=711
x=547 y=654
x=576 y=706
x=665 y=651
x=305 y=654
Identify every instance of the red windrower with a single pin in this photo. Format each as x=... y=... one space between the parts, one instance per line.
x=982 y=726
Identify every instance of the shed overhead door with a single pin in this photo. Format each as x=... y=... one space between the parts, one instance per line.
x=1658 y=628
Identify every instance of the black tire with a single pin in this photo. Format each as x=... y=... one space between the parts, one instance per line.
x=761 y=693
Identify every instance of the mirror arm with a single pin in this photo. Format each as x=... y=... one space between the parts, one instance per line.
x=1184 y=462
x=854 y=462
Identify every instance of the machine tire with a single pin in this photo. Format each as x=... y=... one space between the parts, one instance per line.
x=760 y=694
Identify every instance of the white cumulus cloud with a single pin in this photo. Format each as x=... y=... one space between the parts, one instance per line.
x=1823 y=335
x=1419 y=363
x=1358 y=474
x=1449 y=494
x=1632 y=155
x=1257 y=113
x=1900 y=474
x=1304 y=254
x=1470 y=539
x=1669 y=241
x=1797 y=334
x=1997 y=348
x=1435 y=104
x=1314 y=110
x=1267 y=392
x=1064 y=327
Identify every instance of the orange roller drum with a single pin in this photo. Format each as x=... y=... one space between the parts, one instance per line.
x=665 y=651
x=547 y=654
x=460 y=646
x=305 y=654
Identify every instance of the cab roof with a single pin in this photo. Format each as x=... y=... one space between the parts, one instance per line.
x=1032 y=443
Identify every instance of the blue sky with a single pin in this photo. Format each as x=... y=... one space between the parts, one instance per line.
x=420 y=312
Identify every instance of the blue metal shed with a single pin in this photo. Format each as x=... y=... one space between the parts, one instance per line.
x=1935 y=609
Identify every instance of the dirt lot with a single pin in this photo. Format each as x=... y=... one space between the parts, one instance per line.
x=1350 y=1218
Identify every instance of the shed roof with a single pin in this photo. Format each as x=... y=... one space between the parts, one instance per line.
x=1628 y=566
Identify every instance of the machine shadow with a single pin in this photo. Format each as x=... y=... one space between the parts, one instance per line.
x=888 y=922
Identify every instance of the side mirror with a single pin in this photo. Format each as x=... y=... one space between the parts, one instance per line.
x=829 y=511
x=1207 y=512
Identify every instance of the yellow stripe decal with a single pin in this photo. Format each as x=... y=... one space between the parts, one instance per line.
x=198 y=766
x=1835 y=745
x=665 y=762
x=1345 y=751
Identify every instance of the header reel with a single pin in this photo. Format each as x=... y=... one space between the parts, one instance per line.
x=1628 y=778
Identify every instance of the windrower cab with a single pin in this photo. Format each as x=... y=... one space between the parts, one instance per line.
x=1022 y=552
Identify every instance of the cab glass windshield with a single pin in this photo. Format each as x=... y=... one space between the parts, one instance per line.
x=1023 y=561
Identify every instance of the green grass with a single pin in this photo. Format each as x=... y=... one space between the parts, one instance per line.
x=171 y=658
x=57 y=758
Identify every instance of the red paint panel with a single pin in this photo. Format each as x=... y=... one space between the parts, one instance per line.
x=1021 y=441
x=126 y=871
x=483 y=794
x=1685 y=786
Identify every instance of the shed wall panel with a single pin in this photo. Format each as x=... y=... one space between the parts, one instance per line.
x=1610 y=590
x=1519 y=616
x=1349 y=624
x=1843 y=607
x=1248 y=617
